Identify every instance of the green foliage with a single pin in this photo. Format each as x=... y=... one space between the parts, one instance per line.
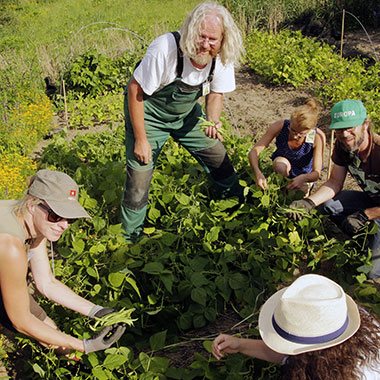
x=197 y=257
x=25 y=124
x=288 y=58
x=88 y=112
x=94 y=74
x=273 y=15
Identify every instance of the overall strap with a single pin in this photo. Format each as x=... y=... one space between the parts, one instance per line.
x=177 y=37
x=179 y=54
x=211 y=73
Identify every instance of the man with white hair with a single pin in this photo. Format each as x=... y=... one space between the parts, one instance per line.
x=162 y=100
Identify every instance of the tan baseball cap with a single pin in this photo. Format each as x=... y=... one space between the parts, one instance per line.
x=59 y=191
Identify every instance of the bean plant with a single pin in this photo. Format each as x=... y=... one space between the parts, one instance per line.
x=198 y=257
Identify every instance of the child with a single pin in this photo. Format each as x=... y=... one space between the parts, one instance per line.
x=299 y=153
x=316 y=331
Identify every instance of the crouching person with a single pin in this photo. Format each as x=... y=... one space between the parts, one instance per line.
x=315 y=331
x=50 y=206
x=356 y=151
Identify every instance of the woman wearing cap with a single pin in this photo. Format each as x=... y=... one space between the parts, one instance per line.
x=50 y=206
x=316 y=331
x=299 y=153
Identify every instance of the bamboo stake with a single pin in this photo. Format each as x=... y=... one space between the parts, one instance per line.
x=333 y=131
x=64 y=99
x=342 y=35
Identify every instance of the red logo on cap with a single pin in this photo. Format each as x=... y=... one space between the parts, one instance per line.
x=72 y=193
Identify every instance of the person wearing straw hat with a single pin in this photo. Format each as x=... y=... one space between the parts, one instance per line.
x=49 y=207
x=356 y=151
x=161 y=100
x=315 y=331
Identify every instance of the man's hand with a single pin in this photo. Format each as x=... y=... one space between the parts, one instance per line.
x=212 y=131
x=306 y=204
x=143 y=151
x=355 y=222
x=104 y=339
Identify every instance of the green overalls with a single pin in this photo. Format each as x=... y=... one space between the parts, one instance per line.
x=172 y=111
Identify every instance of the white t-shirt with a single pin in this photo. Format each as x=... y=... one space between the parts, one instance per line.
x=370 y=374
x=159 y=68
x=366 y=372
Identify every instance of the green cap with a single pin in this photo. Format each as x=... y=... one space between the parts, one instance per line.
x=59 y=191
x=347 y=114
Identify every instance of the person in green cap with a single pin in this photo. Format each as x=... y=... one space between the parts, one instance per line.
x=47 y=210
x=357 y=151
x=162 y=100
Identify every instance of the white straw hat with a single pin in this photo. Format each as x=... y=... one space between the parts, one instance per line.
x=311 y=314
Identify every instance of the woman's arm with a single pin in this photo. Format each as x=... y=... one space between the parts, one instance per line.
x=253 y=156
x=15 y=294
x=251 y=347
x=50 y=287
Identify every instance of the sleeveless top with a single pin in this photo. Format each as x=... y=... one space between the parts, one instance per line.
x=9 y=222
x=301 y=160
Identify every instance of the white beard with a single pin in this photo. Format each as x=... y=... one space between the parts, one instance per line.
x=201 y=59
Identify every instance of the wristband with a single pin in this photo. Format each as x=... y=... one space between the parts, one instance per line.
x=94 y=310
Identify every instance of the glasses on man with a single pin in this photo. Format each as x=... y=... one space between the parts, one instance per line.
x=342 y=130
x=211 y=41
x=53 y=217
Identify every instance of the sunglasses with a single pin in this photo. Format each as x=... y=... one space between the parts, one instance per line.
x=53 y=217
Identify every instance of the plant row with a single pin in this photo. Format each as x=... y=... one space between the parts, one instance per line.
x=198 y=258
x=288 y=58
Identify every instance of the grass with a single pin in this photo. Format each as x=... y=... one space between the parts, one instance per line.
x=39 y=38
x=273 y=15
x=44 y=32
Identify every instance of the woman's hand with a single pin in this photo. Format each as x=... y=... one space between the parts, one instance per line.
x=261 y=181
x=225 y=343
x=297 y=183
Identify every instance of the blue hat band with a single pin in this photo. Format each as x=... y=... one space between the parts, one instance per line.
x=306 y=339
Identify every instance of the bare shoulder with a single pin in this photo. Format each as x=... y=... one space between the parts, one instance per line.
x=277 y=125
x=275 y=128
x=320 y=137
x=321 y=133
x=12 y=249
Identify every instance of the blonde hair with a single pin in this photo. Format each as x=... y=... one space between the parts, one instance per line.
x=21 y=206
x=232 y=43
x=305 y=116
